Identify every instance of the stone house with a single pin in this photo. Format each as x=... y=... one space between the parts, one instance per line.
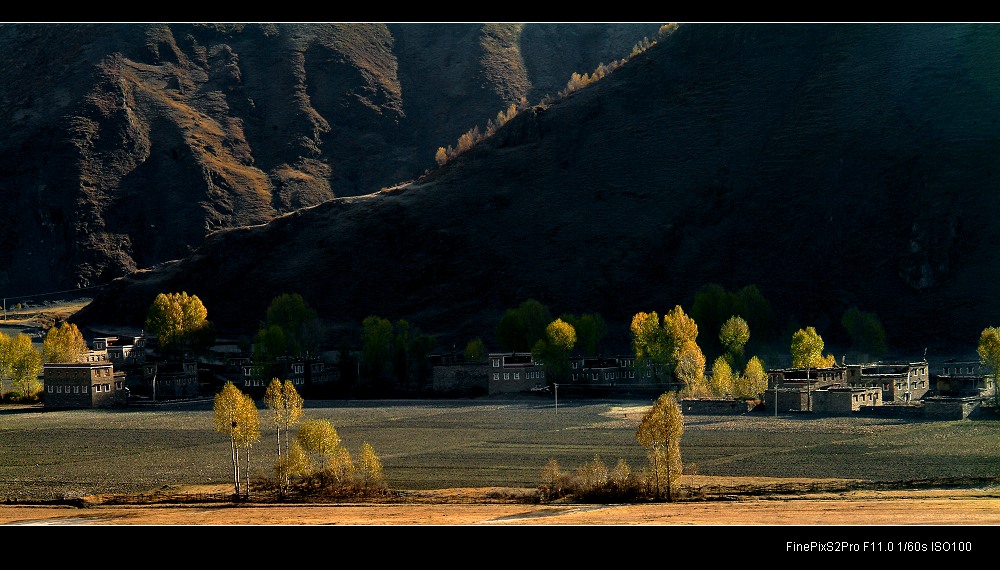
x=83 y=385
x=963 y=378
x=514 y=372
x=901 y=382
x=844 y=399
x=170 y=379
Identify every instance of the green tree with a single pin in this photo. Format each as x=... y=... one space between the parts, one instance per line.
x=475 y=350
x=401 y=352
x=733 y=336
x=179 y=321
x=866 y=332
x=298 y=321
x=236 y=416
x=660 y=433
x=268 y=345
x=285 y=404
x=64 y=343
x=521 y=328
x=807 y=348
x=590 y=331
x=376 y=346
x=555 y=348
x=989 y=353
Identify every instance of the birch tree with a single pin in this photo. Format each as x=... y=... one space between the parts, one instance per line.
x=660 y=433
x=237 y=417
x=285 y=404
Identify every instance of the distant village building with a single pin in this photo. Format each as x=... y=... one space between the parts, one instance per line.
x=602 y=371
x=900 y=382
x=82 y=385
x=171 y=379
x=847 y=388
x=964 y=378
x=122 y=351
x=514 y=372
x=844 y=399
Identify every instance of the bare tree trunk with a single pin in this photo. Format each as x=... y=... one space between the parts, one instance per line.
x=670 y=498
x=236 y=466
x=247 y=490
x=656 y=471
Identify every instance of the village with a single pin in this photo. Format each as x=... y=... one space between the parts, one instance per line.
x=130 y=371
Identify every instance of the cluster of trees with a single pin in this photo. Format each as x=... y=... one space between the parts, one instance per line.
x=314 y=460
x=396 y=351
x=671 y=346
x=180 y=323
x=290 y=329
x=530 y=327
x=21 y=363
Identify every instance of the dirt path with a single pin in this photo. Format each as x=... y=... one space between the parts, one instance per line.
x=948 y=507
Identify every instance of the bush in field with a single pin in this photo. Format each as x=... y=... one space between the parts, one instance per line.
x=317 y=462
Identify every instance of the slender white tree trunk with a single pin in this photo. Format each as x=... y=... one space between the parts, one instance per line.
x=236 y=466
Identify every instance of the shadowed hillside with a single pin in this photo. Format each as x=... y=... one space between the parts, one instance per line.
x=124 y=145
x=830 y=165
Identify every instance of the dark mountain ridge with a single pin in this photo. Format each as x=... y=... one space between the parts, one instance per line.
x=830 y=165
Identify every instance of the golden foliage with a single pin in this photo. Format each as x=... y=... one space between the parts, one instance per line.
x=64 y=343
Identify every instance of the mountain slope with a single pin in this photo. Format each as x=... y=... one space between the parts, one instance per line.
x=830 y=165
x=124 y=145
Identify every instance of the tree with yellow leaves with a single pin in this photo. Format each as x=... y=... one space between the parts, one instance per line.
x=64 y=343
x=372 y=478
x=660 y=433
x=236 y=416
x=285 y=404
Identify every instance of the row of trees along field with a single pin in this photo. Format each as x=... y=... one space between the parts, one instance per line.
x=21 y=364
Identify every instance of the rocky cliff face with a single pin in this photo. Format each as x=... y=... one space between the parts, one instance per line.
x=829 y=165
x=124 y=145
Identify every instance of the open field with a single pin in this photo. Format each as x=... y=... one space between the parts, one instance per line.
x=484 y=457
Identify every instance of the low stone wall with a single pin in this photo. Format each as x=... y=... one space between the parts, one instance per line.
x=461 y=378
x=718 y=406
x=909 y=411
x=942 y=408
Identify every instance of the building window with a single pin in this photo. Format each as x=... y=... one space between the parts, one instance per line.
x=506 y=375
x=496 y=375
x=517 y=376
x=76 y=389
x=83 y=389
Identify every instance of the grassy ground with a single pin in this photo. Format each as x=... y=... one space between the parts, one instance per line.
x=428 y=445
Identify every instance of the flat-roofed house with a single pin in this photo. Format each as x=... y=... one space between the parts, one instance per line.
x=82 y=385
